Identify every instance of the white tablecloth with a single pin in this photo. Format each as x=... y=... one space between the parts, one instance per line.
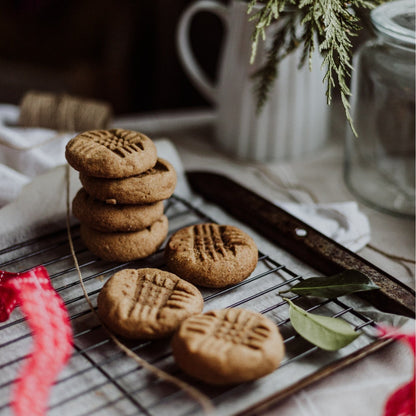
x=362 y=388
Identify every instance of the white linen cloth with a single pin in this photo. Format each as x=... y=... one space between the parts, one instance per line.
x=25 y=152
x=358 y=390
x=342 y=221
x=28 y=152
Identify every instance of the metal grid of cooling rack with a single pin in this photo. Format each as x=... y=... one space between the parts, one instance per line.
x=100 y=380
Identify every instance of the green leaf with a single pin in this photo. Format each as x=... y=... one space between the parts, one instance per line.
x=344 y=283
x=327 y=333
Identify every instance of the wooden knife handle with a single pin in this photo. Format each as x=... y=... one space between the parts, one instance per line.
x=299 y=239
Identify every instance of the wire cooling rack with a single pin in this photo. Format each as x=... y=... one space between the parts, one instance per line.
x=101 y=380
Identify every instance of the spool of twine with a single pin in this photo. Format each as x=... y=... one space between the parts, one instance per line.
x=63 y=112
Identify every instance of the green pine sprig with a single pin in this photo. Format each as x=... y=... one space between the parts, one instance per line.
x=328 y=25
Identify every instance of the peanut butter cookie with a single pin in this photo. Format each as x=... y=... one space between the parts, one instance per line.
x=228 y=346
x=155 y=184
x=114 y=218
x=125 y=246
x=114 y=153
x=211 y=255
x=147 y=303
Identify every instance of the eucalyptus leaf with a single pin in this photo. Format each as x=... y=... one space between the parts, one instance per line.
x=344 y=283
x=327 y=333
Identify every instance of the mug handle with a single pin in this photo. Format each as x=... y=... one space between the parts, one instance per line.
x=187 y=58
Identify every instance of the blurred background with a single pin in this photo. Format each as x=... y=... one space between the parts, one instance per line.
x=121 y=51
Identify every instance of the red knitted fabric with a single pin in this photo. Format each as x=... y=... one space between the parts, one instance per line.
x=52 y=336
x=402 y=401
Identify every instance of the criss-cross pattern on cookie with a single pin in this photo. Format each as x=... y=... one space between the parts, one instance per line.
x=120 y=142
x=153 y=292
x=230 y=327
x=158 y=169
x=211 y=241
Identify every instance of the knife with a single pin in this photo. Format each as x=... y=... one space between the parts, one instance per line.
x=301 y=240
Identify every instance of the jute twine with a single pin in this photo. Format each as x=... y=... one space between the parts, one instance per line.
x=63 y=112
x=199 y=397
x=60 y=112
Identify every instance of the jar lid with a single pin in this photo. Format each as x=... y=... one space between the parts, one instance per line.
x=396 y=19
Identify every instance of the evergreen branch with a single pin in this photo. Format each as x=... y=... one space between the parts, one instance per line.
x=330 y=24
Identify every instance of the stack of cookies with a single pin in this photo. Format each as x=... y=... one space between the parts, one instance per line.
x=120 y=206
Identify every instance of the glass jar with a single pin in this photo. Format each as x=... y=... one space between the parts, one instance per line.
x=380 y=163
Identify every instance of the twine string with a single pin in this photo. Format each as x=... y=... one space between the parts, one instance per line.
x=61 y=112
x=198 y=396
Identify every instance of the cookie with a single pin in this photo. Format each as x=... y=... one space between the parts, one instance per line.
x=147 y=303
x=154 y=185
x=125 y=246
x=112 y=218
x=228 y=346
x=114 y=153
x=211 y=255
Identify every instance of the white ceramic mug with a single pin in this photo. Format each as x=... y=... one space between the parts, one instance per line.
x=294 y=121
